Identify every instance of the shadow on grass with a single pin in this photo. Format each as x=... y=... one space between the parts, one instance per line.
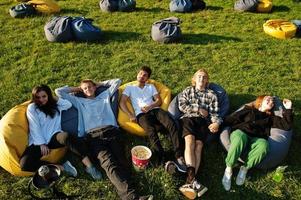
x=214 y=8
x=237 y=100
x=153 y=10
x=281 y=8
x=204 y=38
x=119 y=36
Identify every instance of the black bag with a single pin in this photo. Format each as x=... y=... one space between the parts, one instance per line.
x=108 y=5
x=180 y=6
x=198 y=4
x=84 y=30
x=246 y=5
x=58 y=29
x=166 y=30
x=126 y=5
x=22 y=10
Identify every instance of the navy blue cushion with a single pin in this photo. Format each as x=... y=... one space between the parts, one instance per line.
x=126 y=5
x=22 y=10
x=83 y=30
x=108 y=5
x=298 y=24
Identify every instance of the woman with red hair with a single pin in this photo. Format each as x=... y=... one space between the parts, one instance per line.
x=251 y=128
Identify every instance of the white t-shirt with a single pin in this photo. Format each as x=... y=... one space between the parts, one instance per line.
x=140 y=97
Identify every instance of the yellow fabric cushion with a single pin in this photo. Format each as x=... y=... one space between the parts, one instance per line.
x=124 y=120
x=45 y=6
x=264 y=6
x=14 y=139
x=279 y=28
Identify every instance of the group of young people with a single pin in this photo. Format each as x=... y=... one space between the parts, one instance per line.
x=100 y=137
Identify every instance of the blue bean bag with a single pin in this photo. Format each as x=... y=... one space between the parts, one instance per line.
x=58 y=29
x=84 y=30
x=22 y=10
x=246 y=5
x=181 y=6
x=108 y=5
x=70 y=116
x=126 y=5
x=298 y=24
x=279 y=142
x=166 y=30
x=223 y=101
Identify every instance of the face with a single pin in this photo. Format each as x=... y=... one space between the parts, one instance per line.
x=88 y=89
x=201 y=80
x=267 y=103
x=142 y=76
x=41 y=98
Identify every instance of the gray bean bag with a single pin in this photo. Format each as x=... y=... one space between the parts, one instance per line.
x=70 y=116
x=223 y=101
x=126 y=5
x=58 y=29
x=166 y=30
x=181 y=6
x=279 y=142
x=22 y=10
x=84 y=30
x=108 y=5
x=246 y=5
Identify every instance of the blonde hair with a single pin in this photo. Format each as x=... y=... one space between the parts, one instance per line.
x=193 y=77
x=87 y=81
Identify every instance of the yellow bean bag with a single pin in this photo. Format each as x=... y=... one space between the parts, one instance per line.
x=45 y=6
x=124 y=120
x=279 y=28
x=264 y=6
x=14 y=139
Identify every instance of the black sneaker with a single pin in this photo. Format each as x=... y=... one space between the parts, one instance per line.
x=181 y=165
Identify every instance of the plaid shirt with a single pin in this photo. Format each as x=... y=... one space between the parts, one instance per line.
x=191 y=100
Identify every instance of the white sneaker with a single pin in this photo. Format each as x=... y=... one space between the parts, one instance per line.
x=226 y=181
x=241 y=177
x=200 y=189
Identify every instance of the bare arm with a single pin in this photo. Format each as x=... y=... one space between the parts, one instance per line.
x=125 y=109
x=156 y=103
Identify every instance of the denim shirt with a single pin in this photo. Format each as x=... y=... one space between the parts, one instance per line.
x=92 y=113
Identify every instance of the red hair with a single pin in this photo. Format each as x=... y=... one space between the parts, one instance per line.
x=258 y=103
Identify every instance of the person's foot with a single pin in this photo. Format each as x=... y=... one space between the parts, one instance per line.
x=188 y=191
x=226 y=181
x=170 y=167
x=147 y=197
x=181 y=165
x=241 y=177
x=69 y=169
x=200 y=189
x=94 y=173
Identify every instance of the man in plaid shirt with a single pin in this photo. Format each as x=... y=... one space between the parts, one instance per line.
x=200 y=108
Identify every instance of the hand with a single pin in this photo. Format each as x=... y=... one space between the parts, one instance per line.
x=203 y=112
x=287 y=103
x=145 y=109
x=132 y=118
x=213 y=127
x=44 y=150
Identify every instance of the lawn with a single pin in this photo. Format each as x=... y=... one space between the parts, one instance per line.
x=230 y=45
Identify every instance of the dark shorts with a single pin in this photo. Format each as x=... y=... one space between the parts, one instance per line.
x=196 y=126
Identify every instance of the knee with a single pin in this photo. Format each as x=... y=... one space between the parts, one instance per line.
x=25 y=164
x=239 y=136
x=262 y=146
x=62 y=137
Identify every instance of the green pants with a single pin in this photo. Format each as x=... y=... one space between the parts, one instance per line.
x=239 y=141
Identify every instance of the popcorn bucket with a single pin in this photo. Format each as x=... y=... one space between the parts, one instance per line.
x=140 y=157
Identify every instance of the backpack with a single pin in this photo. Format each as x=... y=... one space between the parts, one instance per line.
x=58 y=29
x=108 y=5
x=246 y=5
x=166 y=30
x=126 y=5
x=180 y=6
x=22 y=10
x=84 y=30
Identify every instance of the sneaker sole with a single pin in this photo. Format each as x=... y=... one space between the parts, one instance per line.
x=190 y=194
x=200 y=193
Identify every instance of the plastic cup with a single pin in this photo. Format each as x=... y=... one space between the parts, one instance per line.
x=140 y=157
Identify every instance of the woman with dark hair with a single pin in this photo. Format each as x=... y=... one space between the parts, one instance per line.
x=251 y=128
x=45 y=133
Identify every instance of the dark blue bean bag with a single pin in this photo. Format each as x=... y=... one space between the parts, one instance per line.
x=126 y=5
x=223 y=101
x=246 y=5
x=70 y=116
x=181 y=6
x=22 y=10
x=58 y=29
x=84 y=30
x=298 y=24
x=279 y=142
x=166 y=30
x=198 y=4
x=108 y=5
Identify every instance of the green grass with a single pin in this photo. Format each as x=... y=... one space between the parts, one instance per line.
x=230 y=45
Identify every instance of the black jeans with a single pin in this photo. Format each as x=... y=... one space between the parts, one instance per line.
x=109 y=149
x=31 y=158
x=148 y=122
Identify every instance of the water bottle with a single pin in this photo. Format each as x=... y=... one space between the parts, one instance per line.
x=278 y=174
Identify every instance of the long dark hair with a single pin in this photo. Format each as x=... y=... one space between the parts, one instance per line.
x=50 y=108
